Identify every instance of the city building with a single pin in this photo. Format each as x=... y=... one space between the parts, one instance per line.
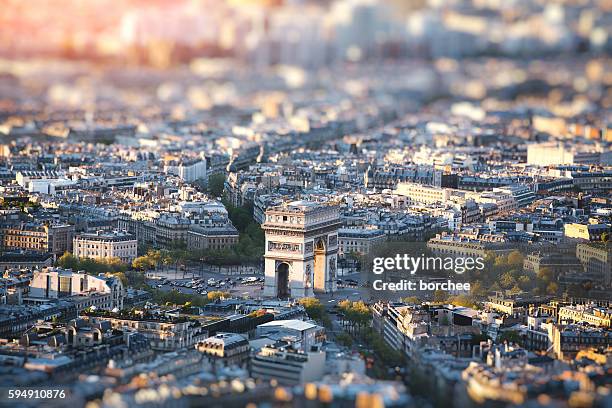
x=165 y=334
x=307 y=333
x=597 y=261
x=101 y=244
x=215 y=238
x=54 y=239
x=587 y=232
x=192 y=171
x=57 y=283
x=287 y=366
x=231 y=348
x=359 y=240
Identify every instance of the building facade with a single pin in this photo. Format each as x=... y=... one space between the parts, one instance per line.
x=55 y=239
x=216 y=238
x=55 y=283
x=359 y=240
x=106 y=245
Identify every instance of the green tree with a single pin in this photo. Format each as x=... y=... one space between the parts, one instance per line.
x=389 y=356
x=216 y=184
x=68 y=261
x=179 y=256
x=344 y=339
x=313 y=307
x=357 y=315
x=137 y=280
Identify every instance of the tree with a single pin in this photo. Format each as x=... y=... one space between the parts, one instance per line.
x=122 y=277
x=113 y=264
x=344 y=339
x=463 y=300
x=357 y=315
x=507 y=280
x=524 y=282
x=68 y=261
x=216 y=184
x=515 y=258
x=500 y=261
x=552 y=288
x=137 y=279
x=179 y=256
x=495 y=287
x=155 y=257
x=143 y=263
x=90 y=265
x=545 y=274
x=477 y=290
x=413 y=300
x=313 y=307
x=241 y=218
x=440 y=296
x=389 y=356
x=217 y=294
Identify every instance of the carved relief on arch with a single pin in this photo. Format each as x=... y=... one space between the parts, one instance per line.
x=333 y=240
x=332 y=268
x=321 y=243
x=308 y=276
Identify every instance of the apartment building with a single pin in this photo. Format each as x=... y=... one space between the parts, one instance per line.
x=231 y=348
x=102 y=244
x=587 y=232
x=201 y=238
x=419 y=193
x=597 y=260
x=591 y=314
x=288 y=366
x=359 y=240
x=165 y=334
x=55 y=283
x=55 y=239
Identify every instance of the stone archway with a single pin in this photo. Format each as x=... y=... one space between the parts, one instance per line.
x=319 y=264
x=303 y=235
x=282 y=281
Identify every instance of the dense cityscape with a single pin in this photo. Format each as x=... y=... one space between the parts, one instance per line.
x=342 y=203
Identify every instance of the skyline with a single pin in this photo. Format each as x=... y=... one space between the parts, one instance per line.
x=349 y=203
